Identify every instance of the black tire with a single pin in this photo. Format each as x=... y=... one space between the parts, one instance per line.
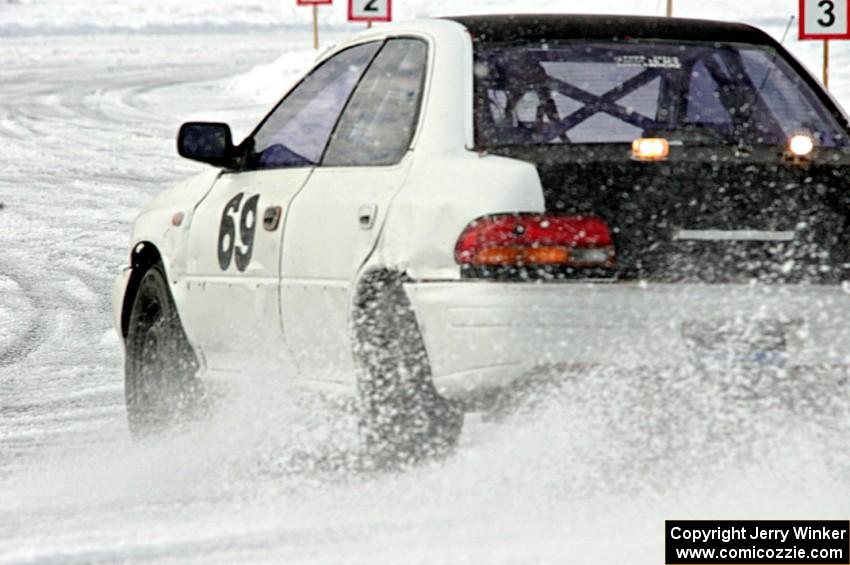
x=403 y=419
x=160 y=387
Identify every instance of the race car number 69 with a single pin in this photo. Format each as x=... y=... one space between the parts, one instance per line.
x=227 y=232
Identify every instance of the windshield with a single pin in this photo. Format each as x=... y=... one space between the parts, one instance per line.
x=616 y=92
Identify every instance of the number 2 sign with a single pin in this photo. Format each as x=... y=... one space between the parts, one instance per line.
x=372 y=10
x=824 y=19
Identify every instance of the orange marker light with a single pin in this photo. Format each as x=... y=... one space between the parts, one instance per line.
x=650 y=149
x=504 y=255
x=177 y=219
x=499 y=256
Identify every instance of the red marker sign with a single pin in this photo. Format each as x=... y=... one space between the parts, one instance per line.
x=315 y=4
x=824 y=19
x=370 y=10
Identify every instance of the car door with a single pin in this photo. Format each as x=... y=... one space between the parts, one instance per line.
x=235 y=236
x=335 y=220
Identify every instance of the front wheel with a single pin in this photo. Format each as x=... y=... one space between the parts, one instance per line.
x=160 y=387
x=403 y=419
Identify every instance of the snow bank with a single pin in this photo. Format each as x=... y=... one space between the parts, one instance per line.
x=266 y=84
x=72 y=16
x=770 y=15
x=27 y=17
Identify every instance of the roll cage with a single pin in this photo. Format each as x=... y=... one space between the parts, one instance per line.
x=740 y=96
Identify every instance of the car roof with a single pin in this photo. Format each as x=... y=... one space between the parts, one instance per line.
x=534 y=27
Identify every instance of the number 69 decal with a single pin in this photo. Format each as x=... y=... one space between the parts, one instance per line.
x=247 y=224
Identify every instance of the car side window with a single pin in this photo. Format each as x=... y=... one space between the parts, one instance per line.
x=296 y=133
x=379 y=121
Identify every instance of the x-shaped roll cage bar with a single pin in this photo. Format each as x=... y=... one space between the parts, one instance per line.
x=607 y=101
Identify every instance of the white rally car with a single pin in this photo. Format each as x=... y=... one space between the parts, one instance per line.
x=443 y=206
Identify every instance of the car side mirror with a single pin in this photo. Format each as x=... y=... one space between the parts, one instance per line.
x=207 y=142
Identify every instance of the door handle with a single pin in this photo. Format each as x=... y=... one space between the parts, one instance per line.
x=366 y=216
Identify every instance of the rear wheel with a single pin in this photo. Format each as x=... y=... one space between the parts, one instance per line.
x=159 y=375
x=403 y=419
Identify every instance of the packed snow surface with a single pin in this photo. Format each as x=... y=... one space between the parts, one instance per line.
x=92 y=94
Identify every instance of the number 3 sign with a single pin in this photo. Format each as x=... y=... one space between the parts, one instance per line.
x=824 y=19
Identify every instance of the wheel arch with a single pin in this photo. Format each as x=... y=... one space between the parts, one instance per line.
x=143 y=256
x=403 y=418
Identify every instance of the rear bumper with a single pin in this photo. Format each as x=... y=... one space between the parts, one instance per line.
x=481 y=336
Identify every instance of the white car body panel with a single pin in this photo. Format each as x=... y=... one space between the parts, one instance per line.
x=481 y=336
x=235 y=315
x=154 y=222
x=427 y=217
x=320 y=263
x=153 y=226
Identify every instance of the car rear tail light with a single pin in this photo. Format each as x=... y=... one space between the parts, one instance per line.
x=650 y=149
x=511 y=240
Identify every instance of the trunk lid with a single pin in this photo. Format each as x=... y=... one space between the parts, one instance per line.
x=712 y=217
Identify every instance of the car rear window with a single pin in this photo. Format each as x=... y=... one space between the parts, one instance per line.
x=614 y=92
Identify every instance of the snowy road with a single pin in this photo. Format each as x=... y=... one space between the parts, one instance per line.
x=86 y=136
x=86 y=130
